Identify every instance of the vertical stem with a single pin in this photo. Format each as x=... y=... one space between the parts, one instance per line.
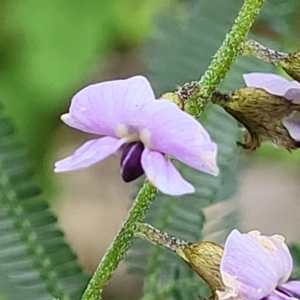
x=214 y=74
x=226 y=54
x=120 y=244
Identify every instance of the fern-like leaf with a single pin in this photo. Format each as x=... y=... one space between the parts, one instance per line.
x=34 y=258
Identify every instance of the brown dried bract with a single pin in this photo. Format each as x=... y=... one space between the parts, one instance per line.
x=205 y=259
x=261 y=114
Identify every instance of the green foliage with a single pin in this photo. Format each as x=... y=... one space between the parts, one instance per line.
x=280 y=16
x=295 y=251
x=35 y=260
x=48 y=48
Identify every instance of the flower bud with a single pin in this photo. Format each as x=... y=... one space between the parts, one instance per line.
x=205 y=259
x=263 y=115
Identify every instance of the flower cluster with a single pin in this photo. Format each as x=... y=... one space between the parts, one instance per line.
x=126 y=117
x=129 y=119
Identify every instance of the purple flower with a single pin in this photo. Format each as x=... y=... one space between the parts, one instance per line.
x=126 y=113
x=279 y=86
x=255 y=267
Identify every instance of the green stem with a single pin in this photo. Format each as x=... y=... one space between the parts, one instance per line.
x=120 y=244
x=290 y=62
x=261 y=52
x=226 y=54
x=211 y=78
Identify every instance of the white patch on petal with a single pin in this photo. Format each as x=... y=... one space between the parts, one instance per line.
x=280 y=239
x=231 y=291
x=145 y=138
x=263 y=241
x=199 y=136
x=69 y=119
x=65 y=117
x=210 y=159
x=122 y=131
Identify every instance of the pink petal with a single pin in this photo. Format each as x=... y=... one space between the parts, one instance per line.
x=167 y=129
x=292 y=287
x=105 y=108
x=274 y=84
x=163 y=175
x=89 y=153
x=292 y=124
x=253 y=265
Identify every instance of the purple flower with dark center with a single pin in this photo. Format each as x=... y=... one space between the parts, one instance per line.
x=129 y=118
x=257 y=267
x=279 y=86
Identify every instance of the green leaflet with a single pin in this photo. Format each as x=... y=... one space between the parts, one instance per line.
x=34 y=258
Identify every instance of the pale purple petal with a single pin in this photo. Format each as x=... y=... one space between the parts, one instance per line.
x=253 y=265
x=106 y=107
x=165 y=128
x=292 y=124
x=274 y=84
x=277 y=295
x=89 y=153
x=163 y=175
x=292 y=287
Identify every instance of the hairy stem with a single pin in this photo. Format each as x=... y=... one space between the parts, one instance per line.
x=226 y=54
x=214 y=74
x=261 y=52
x=290 y=62
x=120 y=244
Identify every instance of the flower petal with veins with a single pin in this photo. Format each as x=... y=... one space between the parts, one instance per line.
x=274 y=84
x=89 y=153
x=101 y=107
x=163 y=175
x=126 y=112
x=256 y=263
x=176 y=133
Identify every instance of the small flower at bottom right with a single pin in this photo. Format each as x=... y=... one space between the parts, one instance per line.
x=257 y=267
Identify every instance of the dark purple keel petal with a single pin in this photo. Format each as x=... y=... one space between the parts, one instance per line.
x=279 y=295
x=131 y=167
x=292 y=288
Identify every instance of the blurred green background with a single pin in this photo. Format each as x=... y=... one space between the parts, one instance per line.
x=49 y=49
